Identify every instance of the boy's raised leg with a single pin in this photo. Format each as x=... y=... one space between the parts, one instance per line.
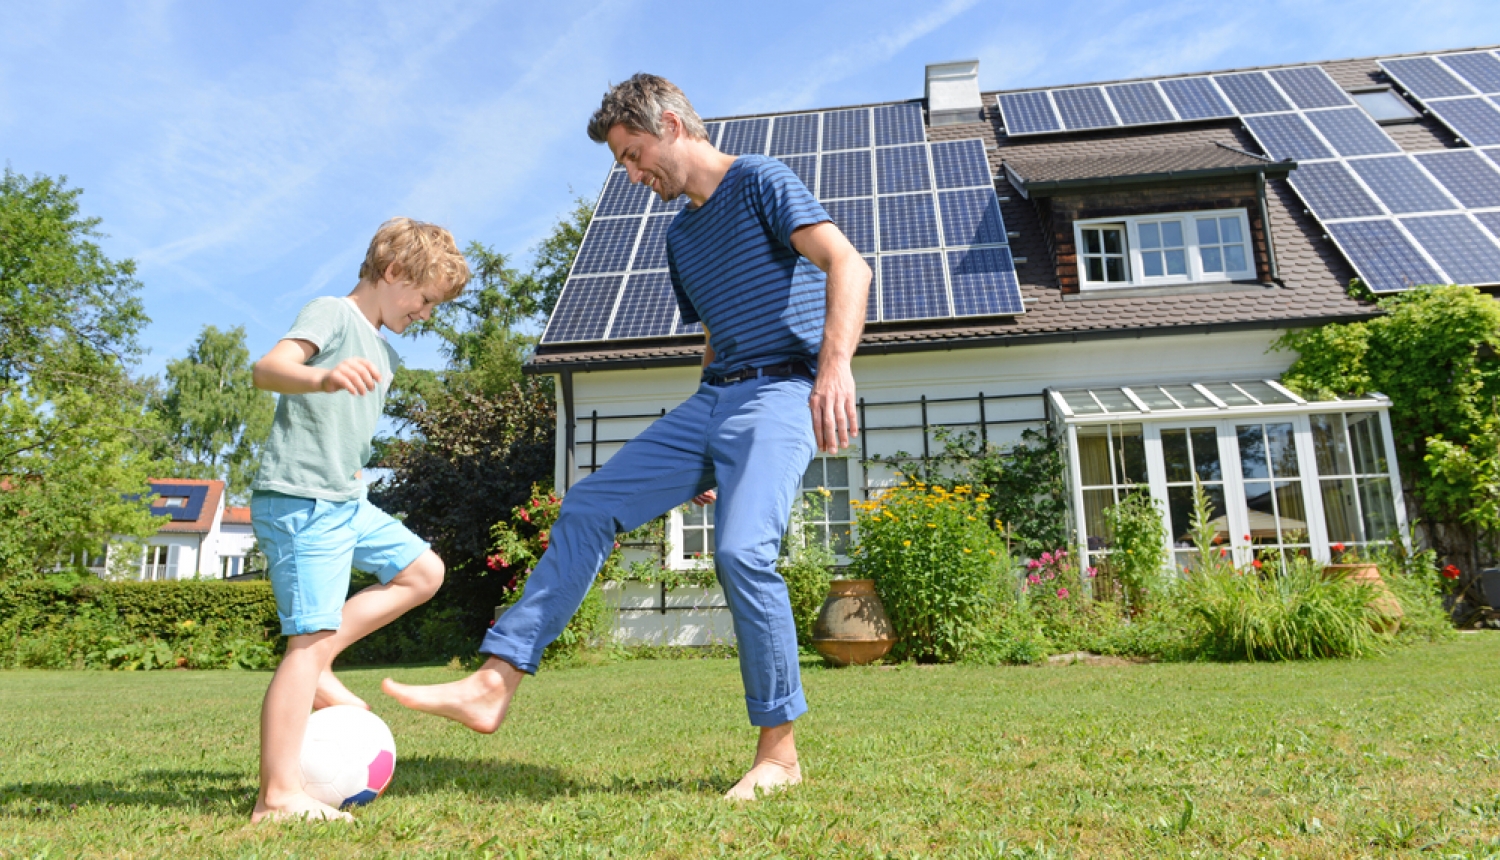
x=478 y=701
x=283 y=722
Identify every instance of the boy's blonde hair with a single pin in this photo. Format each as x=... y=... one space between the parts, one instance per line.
x=422 y=253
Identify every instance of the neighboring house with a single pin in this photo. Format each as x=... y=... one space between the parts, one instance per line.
x=1108 y=262
x=200 y=539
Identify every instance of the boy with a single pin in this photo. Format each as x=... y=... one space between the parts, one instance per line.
x=308 y=506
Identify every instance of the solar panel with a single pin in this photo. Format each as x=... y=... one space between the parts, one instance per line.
x=1424 y=78
x=583 y=309
x=912 y=287
x=745 y=137
x=713 y=129
x=1466 y=174
x=1352 y=132
x=856 y=218
x=845 y=174
x=676 y=204
x=1491 y=221
x=805 y=166
x=1310 y=87
x=1252 y=92
x=846 y=129
x=872 y=304
x=607 y=246
x=901 y=169
x=1382 y=255
x=1401 y=185
x=622 y=197
x=961 y=164
x=984 y=282
x=1196 y=98
x=1139 y=104
x=1467 y=255
x=1287 y=135
x=899 y=124
x=1480 y=68
x=1476 y=119
x=907 y=222
x=647 y=307
x=1084 y=108
x=795 y=135
x=1331 y=191
x=971 y=217
x=652 y=251
x=1028 y=113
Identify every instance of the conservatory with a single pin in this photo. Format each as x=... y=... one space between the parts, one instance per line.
x=1282 y=474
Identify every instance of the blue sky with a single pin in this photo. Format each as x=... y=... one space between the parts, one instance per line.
x=243 y=153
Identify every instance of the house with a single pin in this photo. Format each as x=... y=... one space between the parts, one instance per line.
x=200 y=538
x=1109 y=262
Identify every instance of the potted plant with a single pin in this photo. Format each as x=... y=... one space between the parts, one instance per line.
x=1345 y=564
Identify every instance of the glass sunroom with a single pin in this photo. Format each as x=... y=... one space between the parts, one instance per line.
x=1282 y=474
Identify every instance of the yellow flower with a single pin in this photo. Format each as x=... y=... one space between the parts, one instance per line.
x=970 y=519
x=983 y=496
x=967 y=550
x=992 y=552
x=906 y=543
x=932 y=525
x=823 y=491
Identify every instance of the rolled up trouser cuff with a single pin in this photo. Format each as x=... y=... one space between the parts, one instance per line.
x=767 y=714
x=504 y=649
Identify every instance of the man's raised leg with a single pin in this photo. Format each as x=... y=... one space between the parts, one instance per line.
x=478 y=701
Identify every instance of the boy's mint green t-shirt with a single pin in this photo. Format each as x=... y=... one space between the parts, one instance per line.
x=320 y=441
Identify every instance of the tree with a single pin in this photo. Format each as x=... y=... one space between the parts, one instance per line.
x=213 y=411
x=75 y=439
x=1433 y=354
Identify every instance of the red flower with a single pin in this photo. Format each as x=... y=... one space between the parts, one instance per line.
x=1255 y=564
x=1247 y=538
x=1223 y=552
x=525 y=516
x=1452 y=572
x=495 y=562
x=1338 y=547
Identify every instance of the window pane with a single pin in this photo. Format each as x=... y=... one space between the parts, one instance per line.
x=1114 y=241
x=1339 y=514
x=1329 y=448
x=1174 y=453
x=841 y=540
x=1151 y=264
x=1206 y=454
x=1093 y=457
x=1130 y=454
x=1094 y=504
x=1253 y=462
x=1262 y=512
x=1177 y=262
x=1379 y=508
x=838 y=472
x=838 y=507
x=1095 y=269
x=1292 y=510
x=1234 y=258
x=813 y=477
x=1230 y=228
x=1368 y=443
x=1171 y=234
x=692 y=541
x=1188 y=396
x=1116 y=269
x=1208 y=231
x=1212 y=261
x=1229 y=394
x=1180 y=512
x=1282 y=447
x=1154 y=397
x=1150 y=236
x=1091 y=242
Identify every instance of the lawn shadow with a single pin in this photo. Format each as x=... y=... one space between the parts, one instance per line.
x=428 y=774
x=192 y=789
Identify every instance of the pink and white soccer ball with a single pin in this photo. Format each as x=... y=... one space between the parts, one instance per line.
x=348 y=756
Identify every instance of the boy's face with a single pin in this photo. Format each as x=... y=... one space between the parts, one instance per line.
x=403 y=303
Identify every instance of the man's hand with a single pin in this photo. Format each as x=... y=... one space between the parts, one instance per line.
x=705 y=497
x=835 y=418
x=356 y=375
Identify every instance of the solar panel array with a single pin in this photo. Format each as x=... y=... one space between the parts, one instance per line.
x=924 y=216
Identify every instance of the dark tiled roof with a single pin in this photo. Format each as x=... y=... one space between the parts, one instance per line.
x=210 y=507
x=1212 y=158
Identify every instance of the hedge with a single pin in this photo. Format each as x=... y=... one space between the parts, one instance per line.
x=146 y=609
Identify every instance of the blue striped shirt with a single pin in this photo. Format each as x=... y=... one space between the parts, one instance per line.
x=734 y=268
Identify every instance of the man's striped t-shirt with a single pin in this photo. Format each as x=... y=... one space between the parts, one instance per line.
x=735 y=270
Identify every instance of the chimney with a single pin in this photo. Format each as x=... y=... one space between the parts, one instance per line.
x=953 y=93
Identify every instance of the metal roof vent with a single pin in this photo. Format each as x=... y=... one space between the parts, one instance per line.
x=953 y=93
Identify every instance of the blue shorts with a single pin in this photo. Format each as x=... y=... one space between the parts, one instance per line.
x=310 y=545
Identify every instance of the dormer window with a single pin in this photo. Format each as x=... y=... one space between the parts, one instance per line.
x=173 y=501
x=1164 y=249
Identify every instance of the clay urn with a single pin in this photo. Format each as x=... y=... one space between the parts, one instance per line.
x=852 y=628
x=1387 y=608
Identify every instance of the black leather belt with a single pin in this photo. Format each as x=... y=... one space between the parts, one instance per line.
x=793 y=368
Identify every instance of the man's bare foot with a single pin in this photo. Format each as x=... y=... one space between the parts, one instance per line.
x=478 y=701
x=297 y=806
x=331 y=691
x=767 y=776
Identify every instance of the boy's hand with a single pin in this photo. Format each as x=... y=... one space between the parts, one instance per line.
x=357 y=376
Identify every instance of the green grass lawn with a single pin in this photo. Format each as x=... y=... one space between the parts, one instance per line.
x=1387 y=756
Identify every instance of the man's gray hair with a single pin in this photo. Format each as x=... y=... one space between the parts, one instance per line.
x=638 y=104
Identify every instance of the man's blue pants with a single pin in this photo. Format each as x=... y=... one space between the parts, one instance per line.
x=751 y=440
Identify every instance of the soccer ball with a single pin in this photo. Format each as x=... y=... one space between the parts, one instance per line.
x=348 y=756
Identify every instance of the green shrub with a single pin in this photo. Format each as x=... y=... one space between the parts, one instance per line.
x=806 y=564
x=1137 y=549
x=938 y=567
x=1416 y=583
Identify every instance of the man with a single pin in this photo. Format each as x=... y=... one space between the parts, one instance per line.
x=781 y=294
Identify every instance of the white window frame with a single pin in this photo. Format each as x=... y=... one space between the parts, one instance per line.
x=1135 y=268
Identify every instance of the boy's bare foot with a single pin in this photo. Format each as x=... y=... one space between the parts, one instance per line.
x=331 y=691
x=766 y=776
x=478 y=701
x=297 y=806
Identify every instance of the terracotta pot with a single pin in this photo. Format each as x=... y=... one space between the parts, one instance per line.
x=852 y=628
x=1384 y=602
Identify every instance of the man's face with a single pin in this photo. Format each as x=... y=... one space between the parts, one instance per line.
x=648 y=160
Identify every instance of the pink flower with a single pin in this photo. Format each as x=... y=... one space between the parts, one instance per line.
x=1092 y=572
x=495 y=562
x=1033 y=564
x=1034 y=579
x=1062 y=553
x=1046 y=558
x=1063 y=593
